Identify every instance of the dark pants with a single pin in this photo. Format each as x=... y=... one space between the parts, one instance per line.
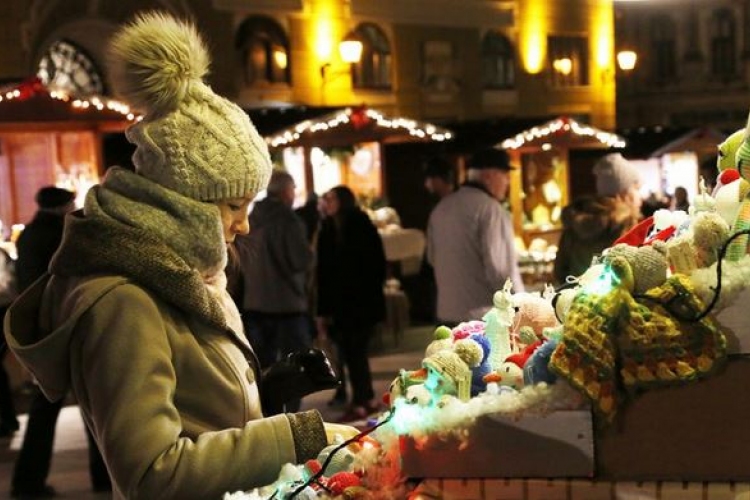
x=273 y=336
x=8 y=420
x=34 y=460
x=353 y=347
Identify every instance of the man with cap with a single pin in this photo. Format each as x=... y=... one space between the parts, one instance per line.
x=592 y=223
x=470 y=240
x=439 y=177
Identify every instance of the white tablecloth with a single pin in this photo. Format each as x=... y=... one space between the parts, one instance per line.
x=405 y=246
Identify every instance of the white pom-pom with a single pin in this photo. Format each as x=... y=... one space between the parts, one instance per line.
x=154 y=60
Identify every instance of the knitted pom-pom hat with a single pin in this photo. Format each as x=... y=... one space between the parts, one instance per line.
x=190 y=139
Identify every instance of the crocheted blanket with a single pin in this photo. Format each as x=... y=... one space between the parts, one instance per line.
x=616 y=345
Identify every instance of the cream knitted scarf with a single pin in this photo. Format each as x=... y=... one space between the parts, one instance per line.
x=168 y=243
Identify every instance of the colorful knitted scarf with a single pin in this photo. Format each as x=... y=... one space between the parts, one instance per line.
x=616 y=345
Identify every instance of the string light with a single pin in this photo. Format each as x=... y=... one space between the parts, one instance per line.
x=354 y=116
x=28 y=89
x=563 y=125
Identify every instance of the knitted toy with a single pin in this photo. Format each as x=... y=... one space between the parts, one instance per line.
x=443 y=340
x=698 y=247
x=648 y=264
x=483 y=368
x=533 y=314
x=498 y=325
x=449 y=371
x=614 y=344
x=401 y=384
x=727 y=150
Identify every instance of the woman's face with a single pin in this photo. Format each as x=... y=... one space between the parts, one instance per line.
x=331 y=204
x=234 y=213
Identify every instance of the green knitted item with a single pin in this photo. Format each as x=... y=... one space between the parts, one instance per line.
x=615 y=345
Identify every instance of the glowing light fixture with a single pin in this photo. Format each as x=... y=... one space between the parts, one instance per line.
x=350 y=49
x=280 y=58
x=626 y=59
x=564 y=65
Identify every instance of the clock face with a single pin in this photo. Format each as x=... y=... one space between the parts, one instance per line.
x=67 y=67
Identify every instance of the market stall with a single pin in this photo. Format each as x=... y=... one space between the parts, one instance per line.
x=345 y=147
x=50 y=137
x=541 y=187
x=627 y=384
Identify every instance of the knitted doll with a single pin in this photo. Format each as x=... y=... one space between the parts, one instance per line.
x=498 y=325
x=449 y=371
x=648 y=263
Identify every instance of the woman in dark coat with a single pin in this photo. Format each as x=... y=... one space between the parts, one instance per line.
x=350 y=273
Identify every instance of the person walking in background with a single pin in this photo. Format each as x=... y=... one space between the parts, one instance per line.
x=275 y=259
x=439 y=181
x=8 y=291
x=351 y=273
x=439 y=177
x=681 y=201
x=310 y=215
x=470 y=240
x=134 y=315
x=35 y=246
x=592 y=223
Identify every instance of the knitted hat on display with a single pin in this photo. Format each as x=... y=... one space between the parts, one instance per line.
x=190 y=140
x=615 y=175
x=451 y=366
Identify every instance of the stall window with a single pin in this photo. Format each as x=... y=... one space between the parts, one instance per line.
x=723 y=43
x=568 y=60
x=265 y=51
x=374 y=69
x=498 y=62
x=663 y=51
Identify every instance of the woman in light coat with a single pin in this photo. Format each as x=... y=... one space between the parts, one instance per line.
x=134 y=316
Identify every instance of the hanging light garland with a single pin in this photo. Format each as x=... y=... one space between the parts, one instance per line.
x=563 y=125
x=34 y=86
x=360 y=117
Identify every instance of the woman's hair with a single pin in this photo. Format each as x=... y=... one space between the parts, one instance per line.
x=347 y=200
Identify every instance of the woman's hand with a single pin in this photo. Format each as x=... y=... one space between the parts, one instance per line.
x=345 y=431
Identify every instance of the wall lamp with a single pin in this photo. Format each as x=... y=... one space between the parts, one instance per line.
x=350 y=51
x=626 y=60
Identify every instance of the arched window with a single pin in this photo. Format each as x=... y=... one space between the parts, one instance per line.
x=265 y=51
x=374 y=69
x=498 y=62
x=663 y=45
x=723 y=43
x=67 y=66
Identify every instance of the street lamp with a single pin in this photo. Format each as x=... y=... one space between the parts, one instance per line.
x=350 y=51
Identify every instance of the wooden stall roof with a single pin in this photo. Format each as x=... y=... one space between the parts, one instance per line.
x=703 y=140
x=30 y=105
x=563 y=132
x=355 y=125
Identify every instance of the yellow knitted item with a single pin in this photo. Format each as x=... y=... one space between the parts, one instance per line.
x=615 y=345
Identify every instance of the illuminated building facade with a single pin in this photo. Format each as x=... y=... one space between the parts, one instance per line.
x=426 y=59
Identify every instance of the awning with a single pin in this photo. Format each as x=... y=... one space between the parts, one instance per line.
x=702 y=140
x=563 y=132
x=356 y=125
x=31 y=104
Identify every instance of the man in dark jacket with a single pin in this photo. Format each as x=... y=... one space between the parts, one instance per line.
x=275 y=258
x=35 y=247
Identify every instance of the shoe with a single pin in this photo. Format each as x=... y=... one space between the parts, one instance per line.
x=353 y=414
x=43 y=491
